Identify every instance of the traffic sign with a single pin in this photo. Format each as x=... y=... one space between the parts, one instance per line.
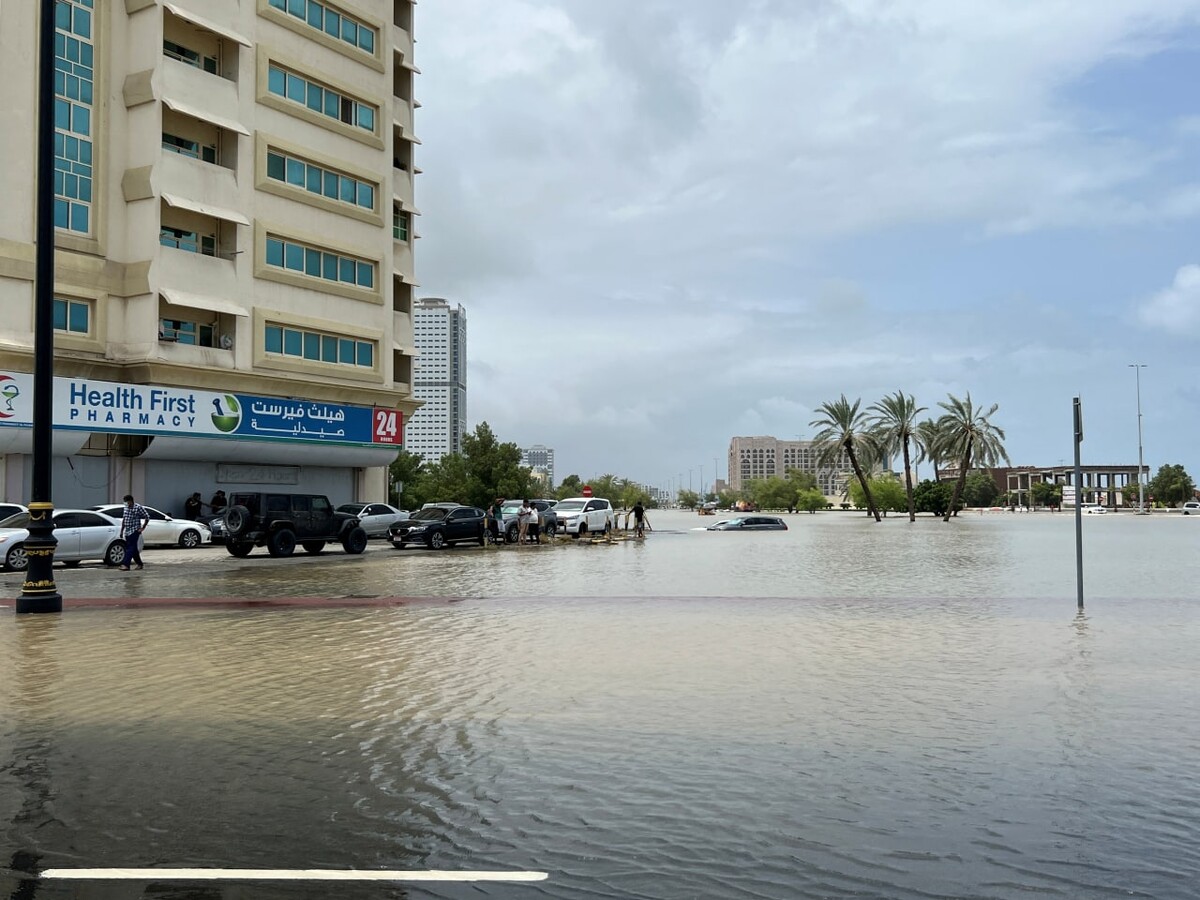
x=587 y=490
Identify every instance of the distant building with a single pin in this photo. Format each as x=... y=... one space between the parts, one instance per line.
x=1112 y=486
x=439 y=379
x=752 y=458
x=540 y=460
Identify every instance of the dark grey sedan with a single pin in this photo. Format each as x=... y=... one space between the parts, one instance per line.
x=751 y=523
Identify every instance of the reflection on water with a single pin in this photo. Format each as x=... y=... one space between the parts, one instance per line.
x=766 y=723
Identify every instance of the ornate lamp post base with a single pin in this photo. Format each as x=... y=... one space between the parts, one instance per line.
x=39 y=594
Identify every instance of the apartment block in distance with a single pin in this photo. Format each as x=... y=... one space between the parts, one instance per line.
x=540 y=460
x=234 y=232
x=751 y=458
x=439 y=379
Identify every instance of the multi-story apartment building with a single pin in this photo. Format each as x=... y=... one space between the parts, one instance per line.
x=439 y=379
x=751 y=458
x=540 y=460
x=234 y=265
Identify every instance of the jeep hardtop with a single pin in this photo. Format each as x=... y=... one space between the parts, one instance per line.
x=279 y=521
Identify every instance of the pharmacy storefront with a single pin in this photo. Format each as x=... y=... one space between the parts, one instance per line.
x=162 y=443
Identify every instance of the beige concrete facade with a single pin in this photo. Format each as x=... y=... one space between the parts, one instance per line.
x=752 y=458
x=235 y=189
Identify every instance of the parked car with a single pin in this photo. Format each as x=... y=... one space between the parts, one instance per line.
x=280 y=521
x=1093 y=509
x=10 y=509
x=440 y=526
x=163 y=530
x=751 y=523
x=547 y=518
x=81 y=534
x=584 y=515
x=1192 y=507
x=375 y=518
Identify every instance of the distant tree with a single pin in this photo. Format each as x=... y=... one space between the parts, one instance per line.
x=1171 y=485
x=688 y=499
x=888 y=492
x=980 y=490
x=571 y=486
x=932 y=497
x=726 y=499
x=801 y=480
x=968 y=436
x=493 y=469
x=895 y=425
x=928 y=438
x=406 y=474
x=447 y=480
x=843 y=428
x=1043 y=493
x=810 y=500
x=772 y=492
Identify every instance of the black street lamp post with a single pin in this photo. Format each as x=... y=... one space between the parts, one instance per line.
x=39 y=594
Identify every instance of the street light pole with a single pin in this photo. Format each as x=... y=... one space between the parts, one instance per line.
x=39 y=593
x=1137 y=377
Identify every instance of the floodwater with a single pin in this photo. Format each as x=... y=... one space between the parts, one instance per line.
x=844 y=709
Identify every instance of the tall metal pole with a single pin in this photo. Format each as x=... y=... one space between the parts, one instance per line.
x=702 y=481
x=39 y=594
x=1137 y=378
x=1078 y=504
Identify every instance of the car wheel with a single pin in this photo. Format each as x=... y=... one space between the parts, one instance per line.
x=355 y=540
x=482 y=539
x=313 y=547
x=16 y=559
x=551 y=530
x=239 y=548
x=115 y=554
x=606 y=529
x=282 y=542
x=237 y=519
x=190 y=539
x=399 y=545
x=437 y=541
x=582 y=529
x=511 y=535
x=71 y=563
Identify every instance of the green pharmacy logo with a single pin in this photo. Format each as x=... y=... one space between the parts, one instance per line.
x=226 y=419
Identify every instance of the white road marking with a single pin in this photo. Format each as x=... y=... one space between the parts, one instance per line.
x=286 y=875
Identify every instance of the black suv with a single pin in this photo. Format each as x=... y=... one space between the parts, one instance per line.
x=280 y=521
x=439 y=526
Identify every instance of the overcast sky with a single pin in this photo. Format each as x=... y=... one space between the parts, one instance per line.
x=675 y=222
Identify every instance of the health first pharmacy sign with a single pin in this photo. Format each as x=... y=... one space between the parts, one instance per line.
x=81 y=404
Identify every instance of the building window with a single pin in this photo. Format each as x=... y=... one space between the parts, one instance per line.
x=191 y=241
x=400 y=225
x=184 y=332
x=74 y=82
x=318 y=346
x=317 y=263
x=321 y=181
x=187 y=147
x=190 y=57
x=72 y=316
x=335 y=24
x=320 y=99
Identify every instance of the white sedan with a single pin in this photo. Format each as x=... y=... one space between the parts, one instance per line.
x=164 y=530
x=375 y=518
x=81 y=534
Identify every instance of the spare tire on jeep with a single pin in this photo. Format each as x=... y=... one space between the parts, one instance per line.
x=237 y=518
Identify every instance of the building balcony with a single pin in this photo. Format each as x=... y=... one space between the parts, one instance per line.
x=200 y=94
x=402 y=330
x=204 y=183
x=180 y=273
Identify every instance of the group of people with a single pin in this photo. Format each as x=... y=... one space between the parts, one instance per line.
x=193 y=506
x=528 y=522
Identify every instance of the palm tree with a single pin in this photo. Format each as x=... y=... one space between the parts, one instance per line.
x=845 y=430
x=927 y=438
x=894 y=426
x=968 y=436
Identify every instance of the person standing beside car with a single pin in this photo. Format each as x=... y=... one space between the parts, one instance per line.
x=134 y=520
x=523 y=522
x=192 y=506
x=218 y=503
x=534 y=531
x=495 y=519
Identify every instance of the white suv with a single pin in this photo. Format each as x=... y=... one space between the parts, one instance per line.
x=583 y=515
x=1192 y=507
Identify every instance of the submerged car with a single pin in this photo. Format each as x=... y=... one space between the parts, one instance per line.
x=375 y=518
x=163 y=530
x=440 y=526
x=81 y=534
x=751 y=523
